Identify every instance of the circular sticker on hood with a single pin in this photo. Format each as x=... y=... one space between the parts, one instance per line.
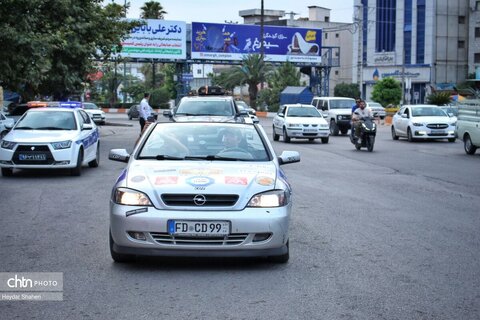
x=199 y=181
x=264 y=181
x=137 y=179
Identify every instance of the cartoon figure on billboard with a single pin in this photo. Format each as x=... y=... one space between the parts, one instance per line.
x=300 y=46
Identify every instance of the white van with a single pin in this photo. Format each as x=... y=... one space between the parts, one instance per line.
x=337 y=111
x=468 y=127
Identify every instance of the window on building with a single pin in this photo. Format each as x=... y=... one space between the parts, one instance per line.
x=199 y=71
x=461 y=44
x=327 y=19
x=461 y=19
x=477 y=32
x=407 y=32
x=336 y=72
x=385 y=23
x=476 y=58
x=337 y=35
x=326 y=35
x=420 y=31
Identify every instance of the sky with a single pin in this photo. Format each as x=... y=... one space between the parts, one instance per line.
x=221 y=11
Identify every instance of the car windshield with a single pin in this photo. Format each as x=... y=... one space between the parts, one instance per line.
x=47 y=120
x=428 y=112
x=204 y=141
x=90 y=106
x=207 y=107
x=242 y=104
x=303 y=112
x=342 y=103
x=374 y=105
x=450 y=110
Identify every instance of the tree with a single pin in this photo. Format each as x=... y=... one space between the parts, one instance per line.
x=52 y=45
x=387 y=91
x=152 y=10
x=349 y=90
x=252 y=72
x=439 y=98
x=282 y=77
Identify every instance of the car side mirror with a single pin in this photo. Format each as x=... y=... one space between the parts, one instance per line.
x=9 y=125
x=243 y=113
x=404 y=116
x=120 y=155
x=288 y=157
x=281 y=115
x=167 y=113
x=87 y=126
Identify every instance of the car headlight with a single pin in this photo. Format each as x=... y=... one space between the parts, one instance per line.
x=62 y=144
x=274 y=198
x=454 y=124
x=417 y=124
x=103 y=114
x=324 y=126
x=293 y=125
x=130 y=197
x=8 y=144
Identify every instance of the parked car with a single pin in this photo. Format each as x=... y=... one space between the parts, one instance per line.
x=300 y=121
x=51 y=138
x=422 y=122
x=246 y=108
x=5 y=125
x=188 y=191
x=377 y=109
x=133 y=112
x=95 y=112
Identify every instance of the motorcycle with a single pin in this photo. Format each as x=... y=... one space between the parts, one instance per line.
x=368 y=131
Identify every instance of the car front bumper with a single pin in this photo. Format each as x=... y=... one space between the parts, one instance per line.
x=301 y=133
x=54 y=159
x=432 y=134
x=248 y=229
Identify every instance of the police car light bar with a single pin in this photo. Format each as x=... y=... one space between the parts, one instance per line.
x=70 y=104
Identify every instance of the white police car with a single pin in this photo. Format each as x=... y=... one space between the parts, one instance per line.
x=51 y=138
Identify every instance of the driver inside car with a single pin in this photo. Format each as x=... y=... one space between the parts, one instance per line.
x=232 y=139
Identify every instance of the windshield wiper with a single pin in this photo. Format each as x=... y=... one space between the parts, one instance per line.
x=50 y=128
x=23 y=128
x=160 y=157
x=212 y=157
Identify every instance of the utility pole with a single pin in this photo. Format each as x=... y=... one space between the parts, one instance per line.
x=402 y=102
x=262 y=48
x=360 y=49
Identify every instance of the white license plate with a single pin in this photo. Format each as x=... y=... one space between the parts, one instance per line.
x=198 y=228
x=36 y=157
x=310 y=130
x=438 y=131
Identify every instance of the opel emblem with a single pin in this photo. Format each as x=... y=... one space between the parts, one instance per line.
x=199 y=199
x=32 y=148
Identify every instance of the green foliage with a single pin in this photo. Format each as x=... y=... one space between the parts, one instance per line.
x=387 y=91
x=159 y=98
x=225 y=80
x=283 y=76
x=439 y=98
x=152 y=10
x=252 y=72
x=50 y=45
x=349 y=90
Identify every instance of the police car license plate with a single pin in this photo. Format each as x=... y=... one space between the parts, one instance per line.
x=198 y=228
x=309 y=130
x=438 y=131
x=36 y=157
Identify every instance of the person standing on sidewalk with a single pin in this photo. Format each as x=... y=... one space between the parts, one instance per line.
x=144 y=111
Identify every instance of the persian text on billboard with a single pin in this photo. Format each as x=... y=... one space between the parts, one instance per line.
x=159 y=39
x=212 y=41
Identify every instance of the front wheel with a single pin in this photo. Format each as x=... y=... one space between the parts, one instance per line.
x=7 y=172
x=95 y=162
x=370 y=143
x=281 y=258
x=468 y=145
x=333 y=128
x=119 y=257
x=275 y=135
x=325 y=140
x=286 y=138
x=78 y=168
x=451 y=139
x=409 y=135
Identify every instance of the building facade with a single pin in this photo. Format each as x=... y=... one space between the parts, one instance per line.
x=422 y=43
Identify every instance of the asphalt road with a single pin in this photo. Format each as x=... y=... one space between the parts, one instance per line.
x=392 y=234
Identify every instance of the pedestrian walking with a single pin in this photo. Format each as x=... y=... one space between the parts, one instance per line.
x=144 y=111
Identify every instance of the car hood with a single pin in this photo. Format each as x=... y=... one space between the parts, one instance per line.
x=436 y=119
x=306 y=120
x=203 y=177
x=341 y=111
x=93 y=111
x=40 y=136
x=204 y=118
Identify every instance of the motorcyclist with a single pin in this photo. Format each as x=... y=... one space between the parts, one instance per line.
x=361 y=112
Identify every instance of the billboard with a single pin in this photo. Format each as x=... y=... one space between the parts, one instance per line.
x=214 y=41
x=159 y=39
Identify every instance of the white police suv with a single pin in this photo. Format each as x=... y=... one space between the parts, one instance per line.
x=51 y=138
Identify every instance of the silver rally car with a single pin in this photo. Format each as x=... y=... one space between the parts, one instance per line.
x=51 y=138
x=201 y=189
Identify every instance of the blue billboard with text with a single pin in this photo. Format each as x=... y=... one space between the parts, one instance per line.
x=215 y=41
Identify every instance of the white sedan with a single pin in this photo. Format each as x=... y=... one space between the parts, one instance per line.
x=97 y=114
x=51 y=138
x=300 y=121
x=202 y=189
x=423 y=121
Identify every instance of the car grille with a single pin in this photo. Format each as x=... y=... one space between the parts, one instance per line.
x=230 y=240
x=310 y=125
x=30 y=152
x=437 y=125
x=188 y=200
